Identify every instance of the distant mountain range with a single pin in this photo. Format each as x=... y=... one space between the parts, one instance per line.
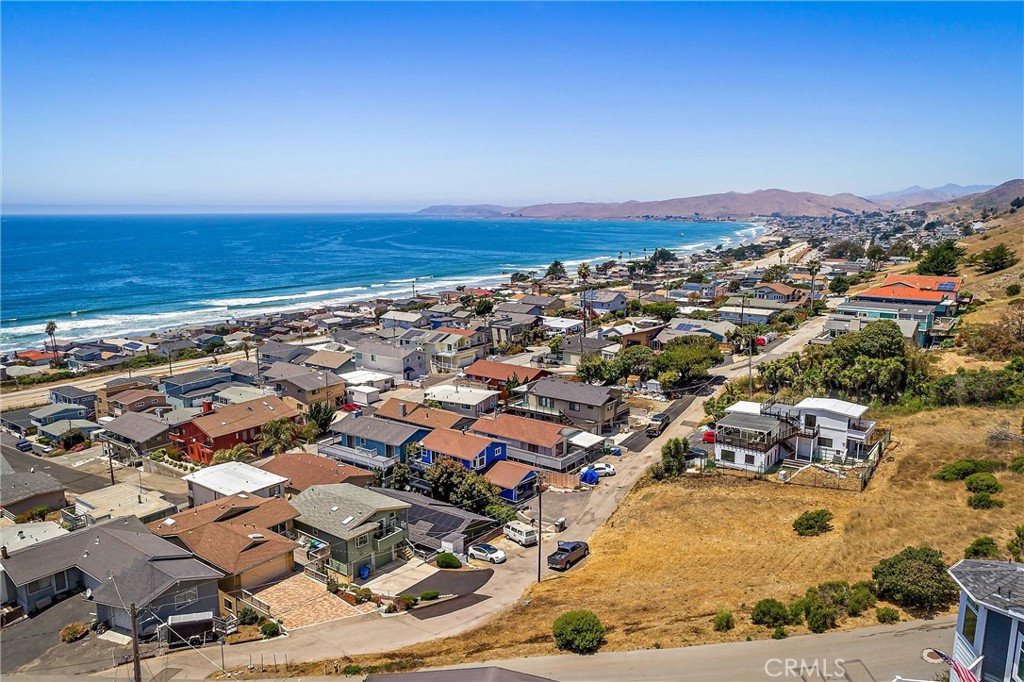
x=997 y=198
x=737 y=205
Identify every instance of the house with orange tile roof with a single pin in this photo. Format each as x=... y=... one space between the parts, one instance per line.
x=541 y=444
x=516 y=482
x=418 y=414
x=228 y=426
x=497 y=374
x=473 y=451
x=239 y=535
x=304 y=469
x=942 y=292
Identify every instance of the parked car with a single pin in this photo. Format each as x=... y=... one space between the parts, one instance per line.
x=761 y=341
x=521 y=533
x=567 y=554
x=23 y=445
x=603 y=468
x=708 y=437
x=486 y=552
x=658 y=424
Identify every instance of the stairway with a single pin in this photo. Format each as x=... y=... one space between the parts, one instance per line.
x=405 y=551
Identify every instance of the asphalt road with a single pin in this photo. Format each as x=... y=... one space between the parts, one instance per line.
x=75 y=481
x=640 y=440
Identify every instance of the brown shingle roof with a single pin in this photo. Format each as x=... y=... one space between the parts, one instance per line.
x=134 y=394
x=305 y=469
x=247 y=415
x=465 y=446
x=507 y=475
x=417 y=414
x=500 y=371
x=511 y=427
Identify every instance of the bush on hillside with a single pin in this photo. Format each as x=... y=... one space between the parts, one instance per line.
x=1013 y=290
x=983 y=548
x=430 y=595
x=915 y=577
x=448 y=560
x=861 y=599
x=578 y=631
x=821 y=618
x=270 y=629
x=982 y=483
x=983 y=501
x=1016 y=544
x=887 y=614
x=724 y=620
x=779 y=633
x=770 y=612
x=1017 y=465
x=813 y=522
x=962 y=468
x=247 y=616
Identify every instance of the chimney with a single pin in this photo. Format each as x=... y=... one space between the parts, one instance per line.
x=207 y=407
x=401 y=409
x=3 y=552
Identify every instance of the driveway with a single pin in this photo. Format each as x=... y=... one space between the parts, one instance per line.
x=640 y=440
x=300 y=601
x=34 y=644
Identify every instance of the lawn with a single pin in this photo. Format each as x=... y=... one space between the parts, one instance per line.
x=674 y=552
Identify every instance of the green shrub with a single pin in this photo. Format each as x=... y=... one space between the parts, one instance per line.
x=834 y=593
x=363 y=595
x=770 y=612
x=247 y=616
x=983 y=483
x=962 y=468
x=270 y=629
x=1016 y=544
x=983 y=548
x=724 y=620
x=813 y=522
x=779 y=633
x=796 y=612
x=578 y=631
x=448 y=560
x=861 y=599
x=1013 y=290
x=983 y=501
x=430 y=595
x=887 y=614
x=821 y=618
x=352 y=670
x=1017 y=465
x=915 y=577
x=72 y=632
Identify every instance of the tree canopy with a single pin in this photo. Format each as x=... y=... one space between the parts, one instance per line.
x=941 y=260
x=556 y=270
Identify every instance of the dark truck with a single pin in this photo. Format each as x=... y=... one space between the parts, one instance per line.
x=567 y=554
x=658 y=424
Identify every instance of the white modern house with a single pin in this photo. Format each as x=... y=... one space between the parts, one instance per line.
x=989 y=639
x=471 y=402
x=232 y=478
x=756 y=436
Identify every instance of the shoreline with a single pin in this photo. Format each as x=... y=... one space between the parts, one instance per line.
x=230 y=307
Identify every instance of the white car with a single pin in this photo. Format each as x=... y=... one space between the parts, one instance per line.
x=486 y=552
x=603 y=468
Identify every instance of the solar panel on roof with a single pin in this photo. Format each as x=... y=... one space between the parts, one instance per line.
x=946 y=286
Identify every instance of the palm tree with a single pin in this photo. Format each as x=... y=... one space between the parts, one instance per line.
x=51 y=330
x=246 y=347
x=583 y=270
x=278 y=436
x=238 y=453
x=321 y=414
x=813 y=267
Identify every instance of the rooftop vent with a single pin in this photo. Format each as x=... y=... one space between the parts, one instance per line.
x=168 y=522
x=334 y=508
x=348 y=520
x=255 y=536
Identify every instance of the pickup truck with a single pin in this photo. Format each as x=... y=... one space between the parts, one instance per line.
x=567 y=554
x=658 y=424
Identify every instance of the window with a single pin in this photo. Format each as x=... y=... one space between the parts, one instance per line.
x=545 y=402
x=750 y=460
x=478 y=462
x=228 y=604
x=728 y=456
x=186 y=597
x=810 y=421
x=1018 y=668
x=40 y=585
x=362 y=540
x=574 y=407
x=970 y=626
x=824 y=442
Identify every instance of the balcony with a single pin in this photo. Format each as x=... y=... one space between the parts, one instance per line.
x=943 y=325
x=385 y=537
x=357 y=456
x=860 y=429
x=573 y=459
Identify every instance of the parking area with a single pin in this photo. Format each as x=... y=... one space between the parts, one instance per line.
x=300 y=601
x=402 y=579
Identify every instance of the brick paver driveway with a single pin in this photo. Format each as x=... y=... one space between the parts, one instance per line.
x=300 y=601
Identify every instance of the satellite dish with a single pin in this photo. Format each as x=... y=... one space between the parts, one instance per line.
x=88 y=593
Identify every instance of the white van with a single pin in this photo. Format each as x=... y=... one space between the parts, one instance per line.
x=521 y=533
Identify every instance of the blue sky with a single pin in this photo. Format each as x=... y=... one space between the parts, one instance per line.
x=395 y=106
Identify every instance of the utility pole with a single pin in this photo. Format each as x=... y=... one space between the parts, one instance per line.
x=540 y=522
x=136 y=663
x=110 y=460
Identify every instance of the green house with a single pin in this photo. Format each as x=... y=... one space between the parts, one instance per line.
x=349 y=527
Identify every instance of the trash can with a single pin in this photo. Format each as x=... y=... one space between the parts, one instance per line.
x=364 y=572
x=560 y=525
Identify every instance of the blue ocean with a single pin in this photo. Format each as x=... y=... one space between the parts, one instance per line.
x=104 y=275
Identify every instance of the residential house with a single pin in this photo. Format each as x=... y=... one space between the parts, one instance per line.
x=549 y=305
x=173 y=348
x=472 y=451
x=176 y=387
x=403 y=363
x=231 y=478
x=989 y=638
x=234 y=394
x=72 y=395
x=362 y=377
x=241 y=537
x=471 y=402
x=48 y=414
x=721 y=332
x=544 y=444
x=132 y=436
x=138 y=400
x=743 y=315
x=941 y=292
x=18 y=422
x=35 y=358
x=119 y=562
x=516 y=482
x=308 y=386
x=24 y=491
x=110 y=389
x=331 y=361
x=371 y=443
x=700 y=291
x=919 y=322
x=597 y=409
x=419 y=415
x=777 y=291
x=575 y=348
x=363 y=529
x=447 y=349
x=511 y=328
x=397 y=319
x=602 y=301
x=229 y=426
x=496 y=375
x=18 y=536
x=517 y=308
x=303 y=470
x=117 y=502
x=56 y=431
x=561 y=326
x=275 y=351
x=436 y=526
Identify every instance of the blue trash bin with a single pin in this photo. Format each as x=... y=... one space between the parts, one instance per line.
x=364 y=572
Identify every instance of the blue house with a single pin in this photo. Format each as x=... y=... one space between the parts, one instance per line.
x=603 y=301
x=49 y=414
x=72 y=395
x=989 y=639
x=516 y=482
x=176 y=387
x=377 y=437
x=474 y=452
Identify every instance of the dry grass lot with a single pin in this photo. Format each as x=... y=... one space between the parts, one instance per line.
x=674 y=552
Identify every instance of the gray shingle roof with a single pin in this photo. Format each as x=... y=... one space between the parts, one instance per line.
x=136 y=427
x=327 y=507
x=999 y=584
x=17 y=487
x=431 y=520
x=54 y=409
x=71 y=392
x=371 y=428
x=574 y=391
